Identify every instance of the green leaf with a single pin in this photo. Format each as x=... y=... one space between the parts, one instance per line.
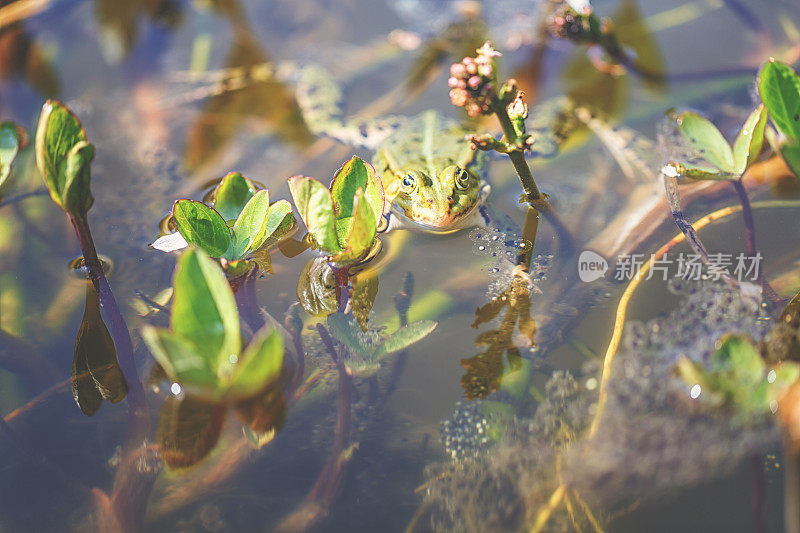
x=249 y=231
x=58 y=133
x=313 y=201
x=406 y=336
x=353 y=175
x=232 y=194
x=181 y=362
x=260 y=364
x=202 y=226
x=204 y=310
x=707 y=139
x=77 y=194
x=363 y=230
x=280 y=223
x=779 y=88
x=749 y=140
x=790 y=151
x=9 y=148
x=345 y=330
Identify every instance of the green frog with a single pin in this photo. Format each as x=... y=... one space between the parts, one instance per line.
x=433 y=179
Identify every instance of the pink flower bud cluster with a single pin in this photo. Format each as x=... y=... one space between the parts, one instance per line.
x=472 y=82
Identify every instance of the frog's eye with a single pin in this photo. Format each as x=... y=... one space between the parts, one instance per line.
x=462 y=179
x=408 y=182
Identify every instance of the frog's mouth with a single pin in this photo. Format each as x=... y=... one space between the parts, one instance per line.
x=399 y=220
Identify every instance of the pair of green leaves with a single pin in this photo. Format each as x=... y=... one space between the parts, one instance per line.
x=342 y=220
x=737 y=377
x=241 y=222
x=202 y=350
x=64 y=156
x=726 y=161
x=779 y=88
x=366 y=354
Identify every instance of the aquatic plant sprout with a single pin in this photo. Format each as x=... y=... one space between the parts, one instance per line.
x=202 y=349
x=342 y=221
x=716 y=158
x=64 y=157
x=256 y=222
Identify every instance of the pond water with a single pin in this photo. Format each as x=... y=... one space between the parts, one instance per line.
x=473 y=428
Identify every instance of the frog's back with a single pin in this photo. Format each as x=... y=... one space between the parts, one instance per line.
x=428 y=142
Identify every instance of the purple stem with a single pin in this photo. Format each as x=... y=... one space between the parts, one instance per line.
x=117 y=326
x=750 y=237
x=245 y=293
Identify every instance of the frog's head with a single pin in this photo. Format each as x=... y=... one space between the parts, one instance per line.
x=439 y=201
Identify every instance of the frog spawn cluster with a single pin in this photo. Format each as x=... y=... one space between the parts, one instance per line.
x=655 y=436
x=651 y=439
x=465 y=435
x=492 y=489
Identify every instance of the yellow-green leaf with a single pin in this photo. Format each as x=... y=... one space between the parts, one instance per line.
x=353 y=175
x=748 y=142
x=232 y=194
x=707 y=139
x=249 y=231
x=259 y=365
x=361 y=234
x=313 y=202
x=204 y=310
x=58 y=133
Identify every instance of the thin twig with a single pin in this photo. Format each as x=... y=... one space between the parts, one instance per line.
x=18 y=198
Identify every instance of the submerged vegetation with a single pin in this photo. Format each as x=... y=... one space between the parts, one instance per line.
x=558 y=431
